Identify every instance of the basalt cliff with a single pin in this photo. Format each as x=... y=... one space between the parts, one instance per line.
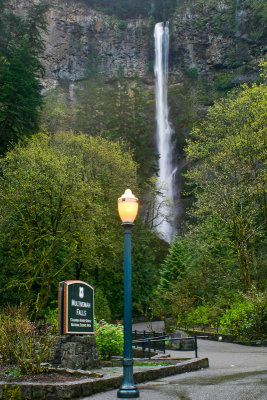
x=207 y=39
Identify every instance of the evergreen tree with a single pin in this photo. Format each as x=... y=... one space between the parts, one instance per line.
x=118 y=110
x=20 y=68
x=228 y=156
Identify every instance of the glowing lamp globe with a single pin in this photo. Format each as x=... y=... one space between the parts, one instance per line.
x=128 y=207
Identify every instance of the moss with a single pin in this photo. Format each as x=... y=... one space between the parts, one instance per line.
x=150 y=65
x=11 y=392
x=122 y=25
x=223 y=82
x=192 y=72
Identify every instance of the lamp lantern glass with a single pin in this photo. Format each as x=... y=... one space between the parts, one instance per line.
x=128 y=206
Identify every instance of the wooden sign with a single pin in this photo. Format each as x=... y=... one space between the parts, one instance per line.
x=76 y=308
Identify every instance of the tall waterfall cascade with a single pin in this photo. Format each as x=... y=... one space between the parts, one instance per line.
x=164 y=221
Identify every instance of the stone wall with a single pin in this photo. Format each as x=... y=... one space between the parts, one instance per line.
x=76 y=352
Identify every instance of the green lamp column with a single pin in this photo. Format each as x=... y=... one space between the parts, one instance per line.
x=128 y=209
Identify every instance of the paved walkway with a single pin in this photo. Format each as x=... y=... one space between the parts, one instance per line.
x=236 y=373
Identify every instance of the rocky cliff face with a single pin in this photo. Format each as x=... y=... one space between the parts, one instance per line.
x=80 y=39
x=215 y=38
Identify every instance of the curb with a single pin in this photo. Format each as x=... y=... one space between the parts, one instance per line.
x=89 y=386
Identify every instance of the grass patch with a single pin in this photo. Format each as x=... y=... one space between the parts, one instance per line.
x=150 y=364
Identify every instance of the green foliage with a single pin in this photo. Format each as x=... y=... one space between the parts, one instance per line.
x=109 y=339
x=222 y=251
x=227 y=153
x=208 y=314
x=224 y=18
x=256 y=24
x=13 y=372
x=22 y=343
x=59 y=221
x=199 y=316
x=59 y=218
x=192 y=72
x=118 y=110
x=21 y=45
x=122 y=25
x=222 y=82
x=198 y=261
x=147 y=253
x=242 y=315
x=248 y=317
x=102 y=310
x=200 y=268
x=151 y=65
x=174 y=266
x=151 y=364
x=158 y=9
x=219 y=19
x=186 y=107
x=51 y=317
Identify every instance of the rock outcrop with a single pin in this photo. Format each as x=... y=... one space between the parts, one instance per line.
x=80 y=39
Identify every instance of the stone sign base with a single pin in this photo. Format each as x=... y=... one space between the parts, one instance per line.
x=76 y=352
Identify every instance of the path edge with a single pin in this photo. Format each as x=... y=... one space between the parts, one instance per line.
x=84 y=388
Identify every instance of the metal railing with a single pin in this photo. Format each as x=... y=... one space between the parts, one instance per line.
x=151 y=343
x=146 y=334
x=159 y=344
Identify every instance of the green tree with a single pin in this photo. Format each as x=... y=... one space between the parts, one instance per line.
x=247 y=316
x=199 y=268
x=222 y=251
x=148 y=252
x=58 y=211
x=118 y=110
x=228 y=157
x=21 y=44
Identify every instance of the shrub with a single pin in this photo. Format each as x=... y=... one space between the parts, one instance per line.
x=192 y=72
x=23 y=342
x=109 y=339
x=223 y=82
x=150 y=65
x=234 y=318
x=122 y=25
x=248 y=318
x=51 y=318
x=102 y=310
x=204 y=314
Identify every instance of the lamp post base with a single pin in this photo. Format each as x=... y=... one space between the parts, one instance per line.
x=128 y=393
x=128 y=390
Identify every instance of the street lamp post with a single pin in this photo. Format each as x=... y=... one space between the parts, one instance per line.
x=128 y=209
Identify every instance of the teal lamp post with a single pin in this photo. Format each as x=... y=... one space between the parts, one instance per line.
x=128 y=209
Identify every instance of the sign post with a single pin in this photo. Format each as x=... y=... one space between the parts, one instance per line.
x=76 y=308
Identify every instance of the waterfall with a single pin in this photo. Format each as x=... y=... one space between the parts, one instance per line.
x=164 y=130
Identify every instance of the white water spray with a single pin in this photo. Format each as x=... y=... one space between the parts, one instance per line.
x=164 y=130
